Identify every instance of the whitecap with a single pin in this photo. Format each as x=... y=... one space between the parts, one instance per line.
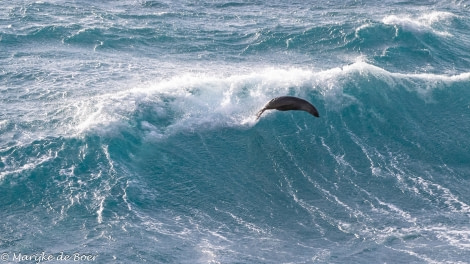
x=422 y=23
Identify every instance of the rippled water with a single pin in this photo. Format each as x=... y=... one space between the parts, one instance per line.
x=128 y=131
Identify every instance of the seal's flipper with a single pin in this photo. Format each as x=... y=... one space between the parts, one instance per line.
x=258 y=115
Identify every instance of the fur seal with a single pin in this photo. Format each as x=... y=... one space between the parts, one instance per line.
x=285 y=103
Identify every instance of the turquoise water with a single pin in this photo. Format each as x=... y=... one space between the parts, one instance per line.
x=128 y=132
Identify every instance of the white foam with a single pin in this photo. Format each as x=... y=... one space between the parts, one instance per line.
x=209 y=252
x=195 y=99
x=30 y=164
x=3 y=123
x=420 y=23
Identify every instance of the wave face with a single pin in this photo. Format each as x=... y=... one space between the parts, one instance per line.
x=128 y=131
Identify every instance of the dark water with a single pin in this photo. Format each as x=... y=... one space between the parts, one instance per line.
x=128 y=132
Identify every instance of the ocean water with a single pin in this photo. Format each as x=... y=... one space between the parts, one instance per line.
x=128 y=132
